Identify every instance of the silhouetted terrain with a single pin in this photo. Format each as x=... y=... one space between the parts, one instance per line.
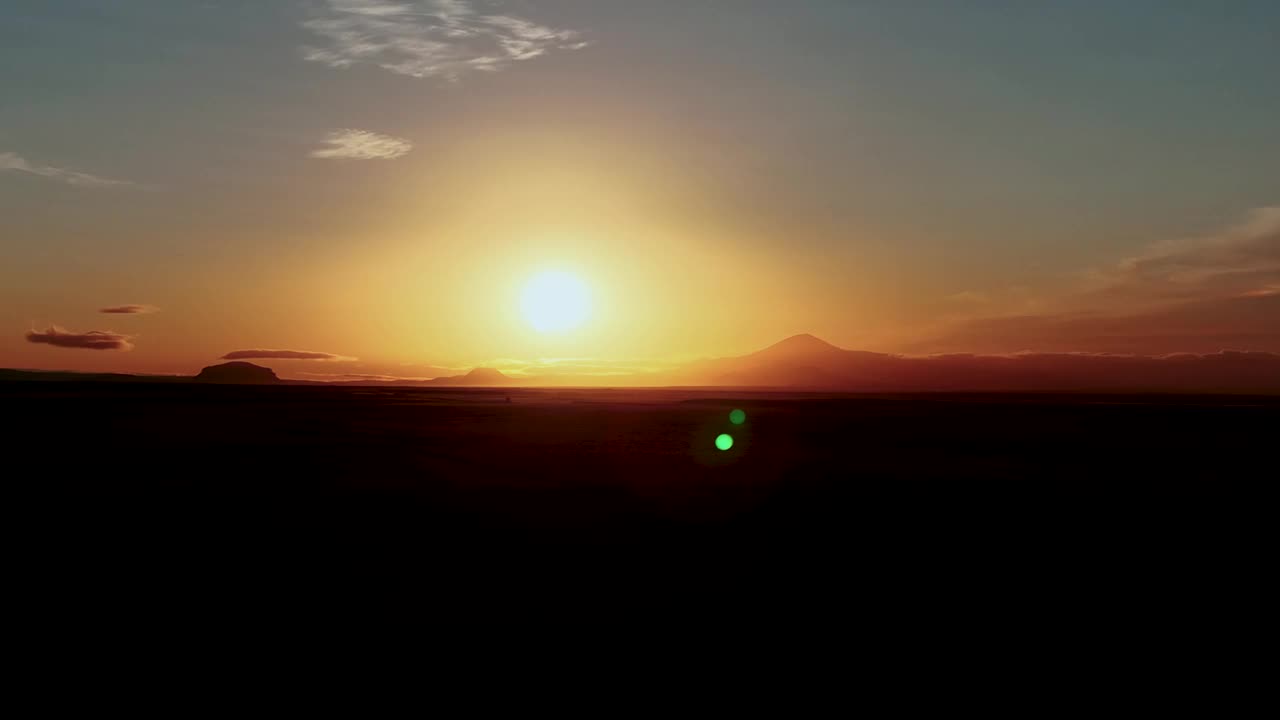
x=13 y=375
x=238 y=373
x=600 y=503
x=482 y=377
x=806 y=362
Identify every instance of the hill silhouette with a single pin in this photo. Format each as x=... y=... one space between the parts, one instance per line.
x=237 y=373
x=798 y=361
x=479 y=377
x=803 y=345
x=809 y=363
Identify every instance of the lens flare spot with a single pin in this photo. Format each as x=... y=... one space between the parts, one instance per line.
x=724 y=441
x=737 y=417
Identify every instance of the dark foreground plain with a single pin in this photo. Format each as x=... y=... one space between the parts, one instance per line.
x=182 y=503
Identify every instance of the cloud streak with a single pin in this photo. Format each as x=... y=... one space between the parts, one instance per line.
x=554 y=368
x=283 y=355
x=359 y=377
x=428 y=38
x=1239 y=261
x=129 y=310
x=92 y=340
x=351 y=144
x=1200 y=294
x=15 y=163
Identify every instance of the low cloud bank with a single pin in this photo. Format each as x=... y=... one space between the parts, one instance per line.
x=92 y=340
x=282 y=355
x=129 y=309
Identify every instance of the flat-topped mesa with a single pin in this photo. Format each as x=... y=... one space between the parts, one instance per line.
x=238 y=373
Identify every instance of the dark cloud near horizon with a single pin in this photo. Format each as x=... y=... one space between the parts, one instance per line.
x=129 y=309
x=264 y=354
x=92 y=340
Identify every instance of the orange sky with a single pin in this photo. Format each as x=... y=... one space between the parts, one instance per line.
x=715 y=189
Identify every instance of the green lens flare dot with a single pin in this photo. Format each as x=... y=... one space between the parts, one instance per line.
x=724 y=441
x=737 y=417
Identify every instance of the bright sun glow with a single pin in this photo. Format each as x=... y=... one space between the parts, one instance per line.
x=555 y=301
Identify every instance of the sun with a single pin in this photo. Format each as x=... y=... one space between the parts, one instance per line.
x=555 y=301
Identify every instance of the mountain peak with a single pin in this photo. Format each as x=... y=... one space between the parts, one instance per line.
x=802 y=344
x=478 y=376
x=486 y=374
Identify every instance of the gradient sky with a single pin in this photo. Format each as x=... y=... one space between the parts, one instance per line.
x=376 y=179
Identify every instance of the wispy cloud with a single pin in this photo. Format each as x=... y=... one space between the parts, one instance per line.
x=407 y=372
x=283 y=355
x=1200 y=294
x=580 y=367
x=1239 y=260
x=359 y=377
x=92 y=340
x=428 y=38
x=129 y=310
x=16 y=163
x=1268 y=291
x=350 y=144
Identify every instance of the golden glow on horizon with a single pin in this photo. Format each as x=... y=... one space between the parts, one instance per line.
x=419 y=289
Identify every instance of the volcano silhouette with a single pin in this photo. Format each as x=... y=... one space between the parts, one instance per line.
x=805 y=362
x=479 y=377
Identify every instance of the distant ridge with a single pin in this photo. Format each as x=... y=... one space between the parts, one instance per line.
x=807 y=363
x=13 y=375
x=245 y=373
